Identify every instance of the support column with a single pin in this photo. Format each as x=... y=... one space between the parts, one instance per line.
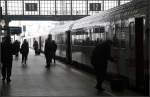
x=55 y=8
x=71 y=7
x=39 y=8
x=147 y=50
x=118 y=2
x=23 y=7
x=87 y=7
x=103 y=5
x=5 y=7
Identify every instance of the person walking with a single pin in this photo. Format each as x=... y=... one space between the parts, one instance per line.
x=100 y=56
x=35 y=46
x=48 y=51
x=16 y=46
x=6 y=58
x=54 y=46
x=24 y=51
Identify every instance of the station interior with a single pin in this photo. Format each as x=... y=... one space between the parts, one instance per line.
x=77 y=27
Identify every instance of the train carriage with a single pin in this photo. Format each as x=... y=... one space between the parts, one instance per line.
x=127 y=25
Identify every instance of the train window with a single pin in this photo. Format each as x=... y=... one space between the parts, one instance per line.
x=82 y=37
x=132 y=35
x=99 y=30
x=124 y=33
x=88 y=37
x=60 y=38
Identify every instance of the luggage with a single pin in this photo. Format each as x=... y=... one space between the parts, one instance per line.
x=117 y=84
x=38 y=51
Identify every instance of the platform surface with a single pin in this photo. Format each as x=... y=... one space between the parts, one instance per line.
x=34 y=79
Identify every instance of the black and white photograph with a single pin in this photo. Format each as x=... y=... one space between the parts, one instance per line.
x=74 y=48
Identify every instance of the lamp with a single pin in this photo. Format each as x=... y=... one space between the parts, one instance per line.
x=2 y=23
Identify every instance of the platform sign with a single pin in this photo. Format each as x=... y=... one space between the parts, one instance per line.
x=15 y=30
x=95 y=6
x=31 y=6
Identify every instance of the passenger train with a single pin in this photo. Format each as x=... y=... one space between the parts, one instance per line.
x=127 y=25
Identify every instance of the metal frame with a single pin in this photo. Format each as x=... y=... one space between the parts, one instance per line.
x=84 y=11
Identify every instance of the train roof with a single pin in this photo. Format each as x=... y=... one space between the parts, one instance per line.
x=123 y=11
x=132 y=8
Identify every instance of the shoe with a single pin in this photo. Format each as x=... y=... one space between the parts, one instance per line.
x=46 y=66
x=8 y=80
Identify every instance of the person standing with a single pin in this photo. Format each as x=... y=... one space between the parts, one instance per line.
x=48 y=51
x=100 y=56
x=35 y=46
x=6 y=58
x=54 y=45
x=24 y=51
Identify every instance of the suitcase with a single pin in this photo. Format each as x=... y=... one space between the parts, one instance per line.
x=117 y=84
x=38 y=52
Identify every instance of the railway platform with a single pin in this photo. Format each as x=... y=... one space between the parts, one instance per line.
x=34 y=79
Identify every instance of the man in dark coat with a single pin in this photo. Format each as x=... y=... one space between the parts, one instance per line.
x=16 y=46
x=24 y=51
x=6 y=58
x=48 y=51
x=100 y=56
x=35 y=46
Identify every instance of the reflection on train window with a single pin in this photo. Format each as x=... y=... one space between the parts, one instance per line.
x=88 y=37
x=132 y=35
x=121 y=35
x=60 y=38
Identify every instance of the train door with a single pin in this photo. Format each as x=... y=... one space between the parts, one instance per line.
x=136 y=63
x=68 y=47
x=132 y=67
x=139 y=52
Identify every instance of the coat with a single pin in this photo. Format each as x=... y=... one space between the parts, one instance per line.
x=24 y=48
x=100 y=56
x=6 y=52
x=48 y=49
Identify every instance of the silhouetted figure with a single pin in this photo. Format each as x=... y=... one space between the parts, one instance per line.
x=48 y=51
x=54 y=46
x=101 y=54
x=16 y=46
x=24 y=51
x=35 y=46
x=6 y=58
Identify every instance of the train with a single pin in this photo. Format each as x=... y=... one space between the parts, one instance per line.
x=127 y=25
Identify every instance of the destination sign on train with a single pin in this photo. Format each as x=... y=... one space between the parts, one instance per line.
x=15 y=30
